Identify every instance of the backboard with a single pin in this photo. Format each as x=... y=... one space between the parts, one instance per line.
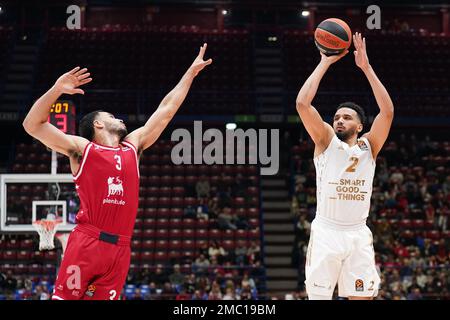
x=25 y=198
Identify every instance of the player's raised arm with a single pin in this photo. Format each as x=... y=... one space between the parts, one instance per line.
x=146 y=135
x=320 y=132
x=36 y=122
x=382 y=124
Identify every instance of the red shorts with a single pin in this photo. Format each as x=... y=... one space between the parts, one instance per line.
x=92 y=269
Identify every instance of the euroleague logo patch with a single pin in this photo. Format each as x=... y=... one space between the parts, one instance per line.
x=359 y=285
x=90 y=290
x=362 y=145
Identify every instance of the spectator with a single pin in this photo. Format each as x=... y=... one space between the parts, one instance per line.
x=215 y=293
x=202 y=209
x=183 y=295
x=159 y=277
x=40 y=293
x=247 y=281
x=442 y=219
x=199 y=295
x=137 y=295
x=241 y=254
x=253 y=253
x=228 y=270
x=246 y=292
x=229 y=294
x=421 y=278
x=152 y=288
x=241 y=220
x=226 y=219
x=300 y=195
x=176 y=278
x=396 y=177
x=442 y=251
x=202 y=283
x=204 y=249
x=189 y=283
x=167 y=293
x=10 y=282
x=200 y=265
x=215 y=250
x=295 y=208
x=2 y=280
x=213 y=207
x=302 y=228
x=202 y=187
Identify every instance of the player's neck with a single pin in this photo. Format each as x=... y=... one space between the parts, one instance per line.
x=351 y=141
x=107 y=140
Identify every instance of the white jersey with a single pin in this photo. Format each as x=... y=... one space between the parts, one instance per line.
x=344 y=177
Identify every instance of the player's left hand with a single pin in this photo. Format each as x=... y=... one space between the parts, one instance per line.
x=199 y=63
x=361 y=58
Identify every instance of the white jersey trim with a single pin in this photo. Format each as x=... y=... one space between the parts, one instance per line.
x=85 y=155
x=105 y=147
x=128 y=144
x=56 y=298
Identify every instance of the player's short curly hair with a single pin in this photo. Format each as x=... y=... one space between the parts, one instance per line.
x=358 y=109
x=86 y=126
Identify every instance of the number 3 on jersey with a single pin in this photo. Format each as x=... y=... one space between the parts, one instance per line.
x=119 y=162
x=352 y=167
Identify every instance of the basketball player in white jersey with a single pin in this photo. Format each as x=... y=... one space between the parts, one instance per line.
x=340 y=249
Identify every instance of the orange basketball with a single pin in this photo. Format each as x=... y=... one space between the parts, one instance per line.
x=333 y=36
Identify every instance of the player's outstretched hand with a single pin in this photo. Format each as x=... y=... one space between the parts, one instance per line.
x=361 y=58
x=332 y=59
x=199 y=63
x=70 y=81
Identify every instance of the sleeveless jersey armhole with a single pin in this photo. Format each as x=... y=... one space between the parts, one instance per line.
x=327 y=148
x=83 y=161
x=129 y=144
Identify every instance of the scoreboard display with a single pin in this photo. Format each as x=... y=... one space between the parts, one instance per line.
x=62 y=115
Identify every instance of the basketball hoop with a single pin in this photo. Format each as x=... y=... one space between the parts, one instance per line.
x=46 y=230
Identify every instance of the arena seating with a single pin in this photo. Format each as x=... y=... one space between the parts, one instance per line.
x=417 y=84
x=137 y=63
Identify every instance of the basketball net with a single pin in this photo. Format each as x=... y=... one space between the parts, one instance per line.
x=46 y=230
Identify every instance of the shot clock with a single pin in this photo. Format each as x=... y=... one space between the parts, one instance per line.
x=62 y=115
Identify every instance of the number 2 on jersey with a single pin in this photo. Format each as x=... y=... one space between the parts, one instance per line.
x=119 y=162
x=352 y=167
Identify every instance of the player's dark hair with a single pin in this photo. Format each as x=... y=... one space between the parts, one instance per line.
x=86 y=126
x=358 y=109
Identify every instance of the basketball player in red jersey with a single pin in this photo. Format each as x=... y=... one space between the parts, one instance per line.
x=104 y=163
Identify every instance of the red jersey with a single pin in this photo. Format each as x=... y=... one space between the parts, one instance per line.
x=107 y=183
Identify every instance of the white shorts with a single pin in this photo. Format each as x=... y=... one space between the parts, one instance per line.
x=342 y=256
